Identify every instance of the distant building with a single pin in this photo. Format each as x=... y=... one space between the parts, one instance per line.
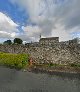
x=49 y=41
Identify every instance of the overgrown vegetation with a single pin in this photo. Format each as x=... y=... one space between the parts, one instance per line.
x=17 y=61
x=74 y=65
x=54 y=65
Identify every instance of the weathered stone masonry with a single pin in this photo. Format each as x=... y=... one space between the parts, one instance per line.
x=59 y=52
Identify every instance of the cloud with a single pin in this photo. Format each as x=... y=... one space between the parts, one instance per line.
x=53 y=17
x=8 y=29
x=60 y=32
x=31 y=33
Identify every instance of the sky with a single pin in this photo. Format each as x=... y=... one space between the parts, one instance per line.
x=27 y=19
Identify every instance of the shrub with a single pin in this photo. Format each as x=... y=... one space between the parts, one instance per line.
x=14 y=60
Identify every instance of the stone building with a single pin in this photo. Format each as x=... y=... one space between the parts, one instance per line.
x=49 y=41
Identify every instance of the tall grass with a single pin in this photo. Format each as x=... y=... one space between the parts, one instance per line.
x=17 y=61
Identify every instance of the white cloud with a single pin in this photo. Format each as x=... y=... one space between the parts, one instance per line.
x=31 y=33
x=13 y=34
x=8 y=29
x=31 y=30
x=60 y=32
x=46 y=14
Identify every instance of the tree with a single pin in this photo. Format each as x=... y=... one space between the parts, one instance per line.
x=18 y=41
x=8 y=42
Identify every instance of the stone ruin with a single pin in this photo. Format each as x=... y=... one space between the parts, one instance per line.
x=51 y=41
x=51 y=50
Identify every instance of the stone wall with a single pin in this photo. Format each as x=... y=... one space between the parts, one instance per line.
x=58 y=53
x=12 y=48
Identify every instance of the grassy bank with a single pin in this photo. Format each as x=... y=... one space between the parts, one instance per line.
x=17 y=61
x=70 y=68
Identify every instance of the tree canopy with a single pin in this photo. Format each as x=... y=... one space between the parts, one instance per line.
x=18 y=41
x=8 y=42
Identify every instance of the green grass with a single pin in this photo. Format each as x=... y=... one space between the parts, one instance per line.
x=17 y=61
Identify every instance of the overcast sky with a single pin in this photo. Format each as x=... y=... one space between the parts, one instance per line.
x=27 y=19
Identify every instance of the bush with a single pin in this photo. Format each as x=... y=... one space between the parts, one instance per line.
x=14 y=60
